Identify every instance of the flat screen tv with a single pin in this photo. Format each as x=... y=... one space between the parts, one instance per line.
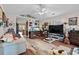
x=56 y=29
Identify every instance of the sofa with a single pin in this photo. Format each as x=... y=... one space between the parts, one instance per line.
x=13 y=48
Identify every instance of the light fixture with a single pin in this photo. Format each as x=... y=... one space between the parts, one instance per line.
x=44 y=10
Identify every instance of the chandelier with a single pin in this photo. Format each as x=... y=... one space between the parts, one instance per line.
x=42 y=10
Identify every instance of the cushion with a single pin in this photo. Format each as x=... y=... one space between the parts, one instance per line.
x=66 y=49
x=75 y=51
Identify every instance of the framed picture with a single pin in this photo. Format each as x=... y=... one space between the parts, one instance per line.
x=30 y=23
x=73 y=21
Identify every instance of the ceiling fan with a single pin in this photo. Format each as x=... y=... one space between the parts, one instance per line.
x=43 y=10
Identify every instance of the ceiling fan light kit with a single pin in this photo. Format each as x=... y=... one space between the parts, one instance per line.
x=44 y=10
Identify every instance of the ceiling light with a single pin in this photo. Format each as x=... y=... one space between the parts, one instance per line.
x=43 y=10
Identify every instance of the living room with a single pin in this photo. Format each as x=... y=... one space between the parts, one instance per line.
x=39 y=29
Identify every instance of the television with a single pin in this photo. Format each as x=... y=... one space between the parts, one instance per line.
x=56 y=29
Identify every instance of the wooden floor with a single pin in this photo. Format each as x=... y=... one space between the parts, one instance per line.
x=29 y=52
x=38 y=42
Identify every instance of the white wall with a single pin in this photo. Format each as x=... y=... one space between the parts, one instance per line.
x=12 y=19
x=53 y=20
x=21 y=20
x=46 y=20
x=64 y=18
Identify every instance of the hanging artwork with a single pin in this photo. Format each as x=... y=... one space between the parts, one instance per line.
x=30 y=23
x=73 y=21
x=36 y=22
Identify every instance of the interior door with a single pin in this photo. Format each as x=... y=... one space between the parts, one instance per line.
x=27 y=28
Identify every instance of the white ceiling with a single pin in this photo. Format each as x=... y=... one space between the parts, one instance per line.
x=58 y=9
